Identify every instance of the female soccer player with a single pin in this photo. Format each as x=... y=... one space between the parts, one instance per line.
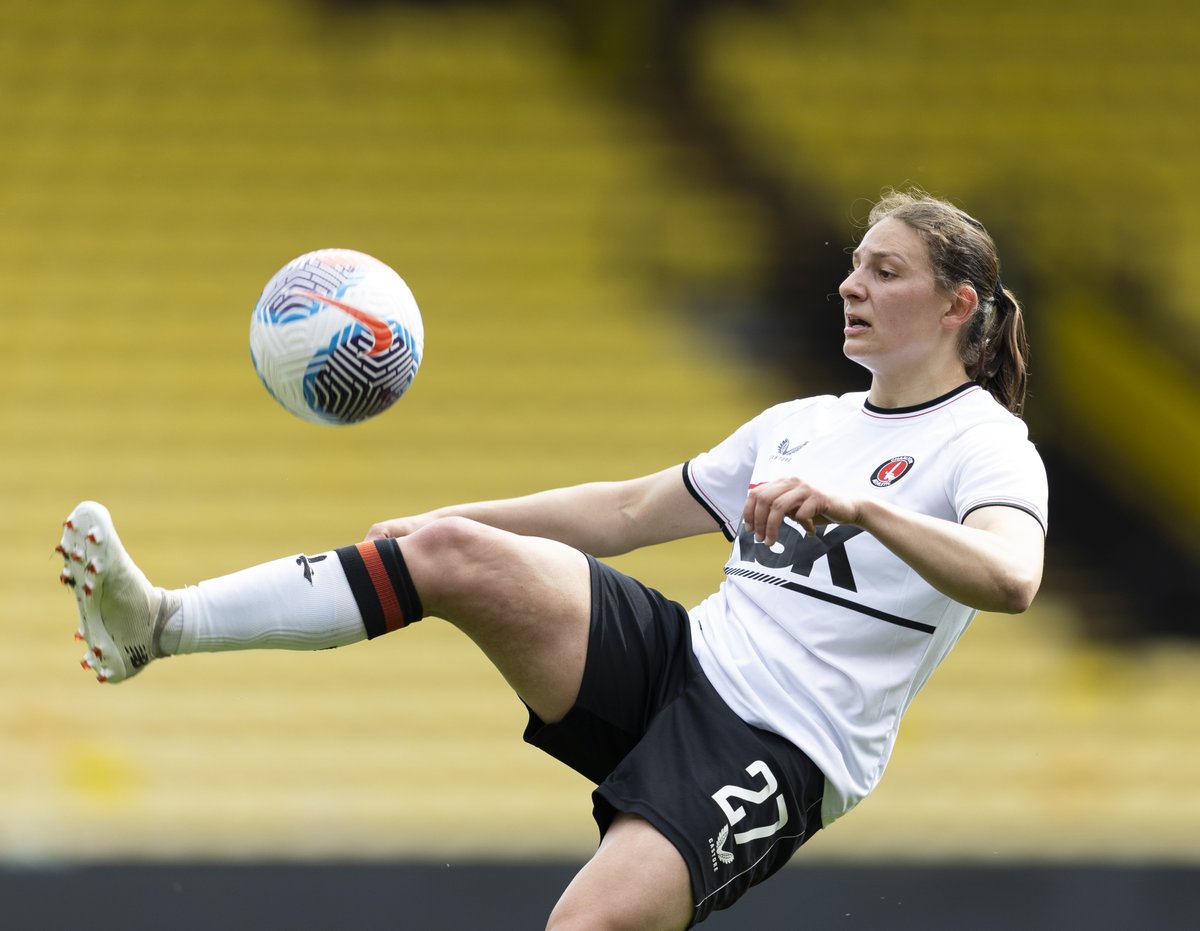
x=867 y=530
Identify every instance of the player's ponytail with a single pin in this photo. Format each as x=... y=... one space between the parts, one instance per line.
x=994 y=348
x=996 y=358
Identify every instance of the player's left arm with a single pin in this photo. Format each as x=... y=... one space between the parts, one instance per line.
x=991 y=561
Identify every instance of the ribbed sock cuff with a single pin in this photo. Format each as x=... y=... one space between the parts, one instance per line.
x=382 y=586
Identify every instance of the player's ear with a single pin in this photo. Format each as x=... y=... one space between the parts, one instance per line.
x=964 y=300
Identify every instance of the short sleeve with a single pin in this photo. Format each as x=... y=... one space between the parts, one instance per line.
x=720 y=478
x=997 y=465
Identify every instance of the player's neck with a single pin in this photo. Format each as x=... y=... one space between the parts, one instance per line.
x=916 y=387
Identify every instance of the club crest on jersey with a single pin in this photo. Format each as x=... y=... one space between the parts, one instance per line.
x=892 y=471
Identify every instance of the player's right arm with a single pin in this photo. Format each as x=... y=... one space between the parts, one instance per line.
x=600 y=518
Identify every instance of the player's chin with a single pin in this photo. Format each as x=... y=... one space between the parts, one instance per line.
x=854 y=349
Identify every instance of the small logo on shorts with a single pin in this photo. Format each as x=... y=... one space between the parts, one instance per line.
x=892 y=471
x=719 y=853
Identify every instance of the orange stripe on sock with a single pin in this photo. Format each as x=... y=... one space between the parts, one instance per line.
x=393 y=616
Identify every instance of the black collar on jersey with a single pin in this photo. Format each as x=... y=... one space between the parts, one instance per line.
x=919 y=407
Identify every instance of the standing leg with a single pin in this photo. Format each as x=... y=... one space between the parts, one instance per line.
x=637 y=880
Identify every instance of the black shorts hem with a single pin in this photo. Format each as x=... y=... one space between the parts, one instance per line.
x=582 y=740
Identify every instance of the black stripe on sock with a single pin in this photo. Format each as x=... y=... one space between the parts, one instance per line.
x=401 y=579
x=363 y=590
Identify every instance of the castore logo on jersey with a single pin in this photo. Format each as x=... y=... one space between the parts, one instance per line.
x=785 y=450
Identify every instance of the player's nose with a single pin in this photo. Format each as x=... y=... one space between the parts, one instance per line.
x=851 y=286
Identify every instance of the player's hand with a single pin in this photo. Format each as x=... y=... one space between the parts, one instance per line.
x=396 y=527
x=810 y=507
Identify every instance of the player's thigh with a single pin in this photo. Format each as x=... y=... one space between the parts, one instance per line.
x=525 y=601
x=637 y=880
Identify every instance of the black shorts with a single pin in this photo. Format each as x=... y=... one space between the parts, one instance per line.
x=649 y=728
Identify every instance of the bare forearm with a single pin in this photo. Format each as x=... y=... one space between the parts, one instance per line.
x=974 y=566
x=601 y=518
x=991 y=561
x=587 y=517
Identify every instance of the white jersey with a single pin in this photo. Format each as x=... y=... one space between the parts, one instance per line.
x=826 y=638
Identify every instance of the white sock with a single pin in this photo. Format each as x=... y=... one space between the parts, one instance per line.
x=296 y=603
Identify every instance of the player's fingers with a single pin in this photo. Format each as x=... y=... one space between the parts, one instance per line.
x=755 y=513
x=784 y=504
x=767 y=505
x=761 y=507
x=385 y=529
x=807 y=513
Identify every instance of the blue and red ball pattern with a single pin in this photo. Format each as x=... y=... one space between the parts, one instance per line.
x=336 y=337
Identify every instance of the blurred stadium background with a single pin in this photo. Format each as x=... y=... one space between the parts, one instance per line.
x=623 y=224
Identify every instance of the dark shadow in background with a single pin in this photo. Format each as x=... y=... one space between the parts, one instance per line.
x=481 y=897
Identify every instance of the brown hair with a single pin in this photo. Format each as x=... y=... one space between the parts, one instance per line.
x=994 y=347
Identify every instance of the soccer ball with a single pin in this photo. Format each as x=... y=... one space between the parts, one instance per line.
x=336 y=337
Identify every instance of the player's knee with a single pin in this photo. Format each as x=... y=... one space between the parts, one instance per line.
x=447 y=554
x=448 y=541
x=447 y=535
